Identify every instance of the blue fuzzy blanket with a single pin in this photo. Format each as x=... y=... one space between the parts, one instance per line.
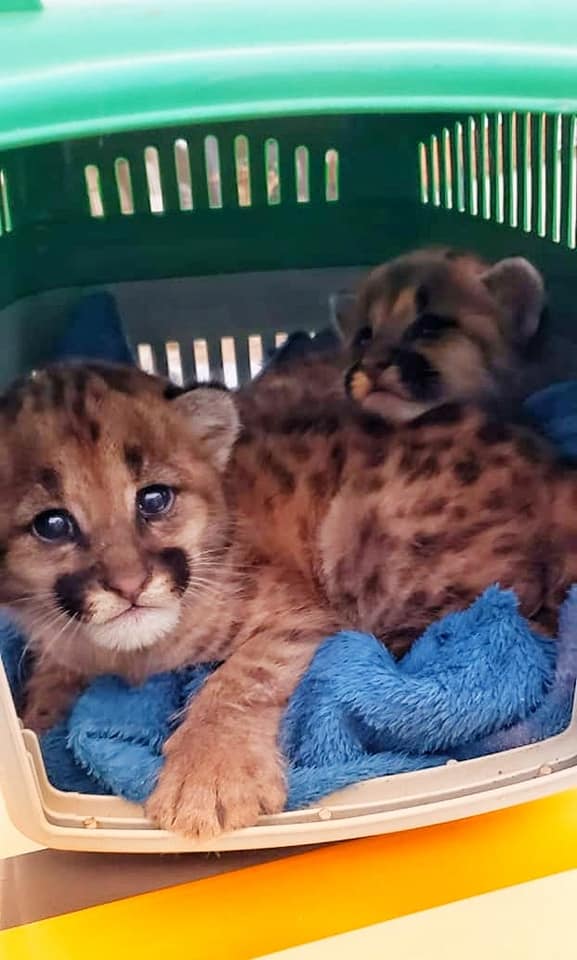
x=476 y=682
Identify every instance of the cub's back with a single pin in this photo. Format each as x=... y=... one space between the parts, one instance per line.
x=397 y=526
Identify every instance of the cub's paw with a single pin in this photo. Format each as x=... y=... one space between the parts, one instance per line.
x=207 y=790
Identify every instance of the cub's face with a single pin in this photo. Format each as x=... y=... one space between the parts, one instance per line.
x=112 y=514
x=435 y=327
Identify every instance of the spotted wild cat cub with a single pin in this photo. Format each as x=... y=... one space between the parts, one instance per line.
x=431 y=327
x=141 y=529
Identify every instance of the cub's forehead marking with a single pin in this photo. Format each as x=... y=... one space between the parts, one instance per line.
x=49 y=478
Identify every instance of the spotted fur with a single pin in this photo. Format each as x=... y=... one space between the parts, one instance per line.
x=323 y=518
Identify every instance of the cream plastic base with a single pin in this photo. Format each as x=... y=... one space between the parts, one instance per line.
x=72 y=821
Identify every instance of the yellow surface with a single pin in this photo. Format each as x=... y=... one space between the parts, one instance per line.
x=253 y=912
x=534 y=921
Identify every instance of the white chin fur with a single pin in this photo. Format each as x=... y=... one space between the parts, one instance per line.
x=391 y=407
x=137 y=629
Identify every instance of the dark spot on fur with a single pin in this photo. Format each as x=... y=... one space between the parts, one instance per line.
x=49 y=478
x=432 y=507
x=250 y=589
x=499 y=460
x=372 y=584
x=505 y=544
x=245 y=438
x=70 y=591
x=428 y=545
x=78 y=406
x=324 y=423
x=468 y=470
x=441 y=445
x=176 y=562
x=460 y=539
x=338 y=457
x=460 y=593
x=429 y=467
x=299 y=449
x=493 y=431
x=369 y=482
x=530 y=448
x=459 y=512
x=283 y=477
x=374 y=456
x=449 y=413
x=318 y=483
x=303 y=529
x=417 y=599
x=374 y=426
x=57 y=390
x=340 y=572
x=94 y=431
x=134 y=458
x=496 y=499
x=348 y=599
x=367 y=529
x=409 y=458
x=121 y=379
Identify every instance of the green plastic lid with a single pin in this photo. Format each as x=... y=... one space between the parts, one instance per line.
x=71 y=69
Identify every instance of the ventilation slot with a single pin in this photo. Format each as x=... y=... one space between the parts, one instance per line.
x=255 y=354
x=93 y=190
x=542 y=176
x=272 y=166
x=486 y=152
x=242 y=171
x=183 y=179
x=5 y=212
x=174 y=362
x=447 y=170
x=153 y=180
x=213 y=179
x=499 y=171
x=229 y=367
x=124 y=186
x=146 y=359
x=302 y=175
x=435 y=172
x=572 y=198
x=424 y=173
x=331 y=176
x=201 y=364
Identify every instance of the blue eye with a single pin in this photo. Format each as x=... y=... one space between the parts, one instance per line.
x=55 y=526
x=155 y=500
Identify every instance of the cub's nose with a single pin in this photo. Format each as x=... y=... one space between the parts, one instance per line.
x=357 y=383
x=129 y=584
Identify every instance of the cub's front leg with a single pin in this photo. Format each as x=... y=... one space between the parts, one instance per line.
x=223 y=767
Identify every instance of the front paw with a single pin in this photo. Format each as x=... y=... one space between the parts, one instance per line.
x=206 y=790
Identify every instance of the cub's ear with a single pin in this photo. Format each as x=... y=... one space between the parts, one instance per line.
x=213 y=419
x=342 y=308
x=518 y=288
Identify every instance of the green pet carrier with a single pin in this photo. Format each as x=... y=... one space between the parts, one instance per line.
x=223 y=167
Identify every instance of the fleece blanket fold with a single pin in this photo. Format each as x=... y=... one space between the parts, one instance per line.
x=475 y=682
